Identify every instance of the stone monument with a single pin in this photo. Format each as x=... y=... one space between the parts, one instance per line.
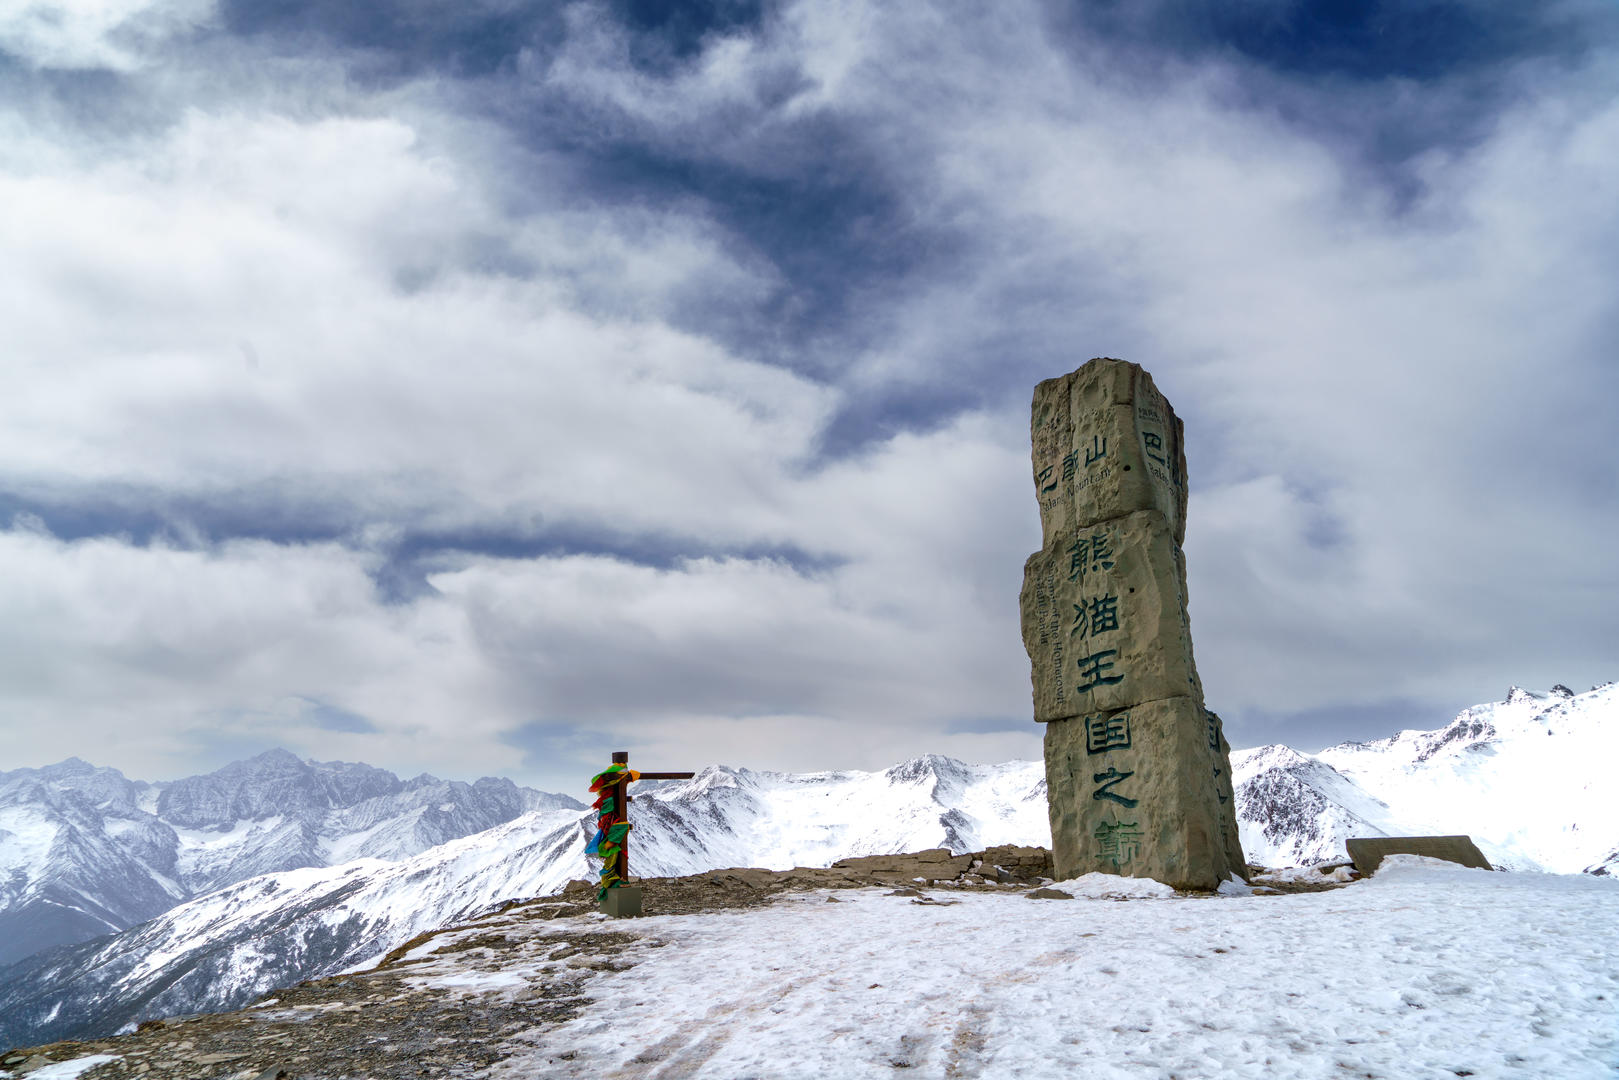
x=1138 y=772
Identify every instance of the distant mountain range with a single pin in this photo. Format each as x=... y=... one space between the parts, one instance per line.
x=85 y=851
x=1530 y=778
x=223 y=950
x=1534 y=779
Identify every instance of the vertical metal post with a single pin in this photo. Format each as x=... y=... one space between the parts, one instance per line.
x=621 y=813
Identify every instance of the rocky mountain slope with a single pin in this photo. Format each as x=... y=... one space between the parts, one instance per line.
x=221 y=950
x=1531 y=778
x=85 y=851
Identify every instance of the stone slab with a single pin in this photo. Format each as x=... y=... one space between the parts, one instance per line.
x=1106 y=443
x=623 y=901
x=1105 y=619
x=1143 y=792
x=1367 y=852
x=935 y=863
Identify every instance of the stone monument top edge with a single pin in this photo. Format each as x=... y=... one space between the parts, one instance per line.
x=1111 y=380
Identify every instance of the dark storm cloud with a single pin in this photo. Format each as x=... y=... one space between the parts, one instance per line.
x=404 y=556
x=1425 y=40
x=816 y=206
x=478 y=38
x=1384 y=81
x=102 y=104
x=412 y=557
x=811 y=197
x=391 y=41
x=668 y=34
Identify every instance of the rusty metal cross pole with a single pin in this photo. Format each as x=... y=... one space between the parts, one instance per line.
x=621 y=810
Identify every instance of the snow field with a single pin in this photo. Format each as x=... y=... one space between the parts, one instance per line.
x=1423 y=971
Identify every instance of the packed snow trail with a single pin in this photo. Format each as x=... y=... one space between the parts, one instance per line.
x=1424 y=971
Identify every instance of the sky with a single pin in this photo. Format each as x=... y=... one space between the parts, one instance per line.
x=481 y=388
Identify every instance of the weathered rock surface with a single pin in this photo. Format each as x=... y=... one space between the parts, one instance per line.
x=1138 y=777
x=1105 y=620
x=1142 y=795
x=1106 y=444
x=1367 y=852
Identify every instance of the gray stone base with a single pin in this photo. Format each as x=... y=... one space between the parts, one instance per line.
x=623 y=901
x=1368 y=852
x=1179 y=831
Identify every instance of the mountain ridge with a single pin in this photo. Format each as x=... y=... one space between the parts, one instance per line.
x=219 y=950
x=1482 y=774
x=84 y=850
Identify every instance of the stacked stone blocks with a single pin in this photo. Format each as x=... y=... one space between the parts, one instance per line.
x=1138 y=772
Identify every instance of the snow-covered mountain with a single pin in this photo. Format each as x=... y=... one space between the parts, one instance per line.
x=1531 y=778
x=85 y=851
x=221 y=950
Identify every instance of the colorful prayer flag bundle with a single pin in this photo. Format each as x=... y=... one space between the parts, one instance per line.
x=610 y=832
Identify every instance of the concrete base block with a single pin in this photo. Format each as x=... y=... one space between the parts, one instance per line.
x=623 y=901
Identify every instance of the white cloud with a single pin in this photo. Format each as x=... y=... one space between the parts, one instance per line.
x=136 y=653
x=228 y=312
x=80 y=34
x=1394 y=411
x=305 y=299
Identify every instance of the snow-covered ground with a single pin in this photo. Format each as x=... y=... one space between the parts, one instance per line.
x=1425 y=970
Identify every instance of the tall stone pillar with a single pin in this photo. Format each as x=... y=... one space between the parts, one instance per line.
x=1138 y=772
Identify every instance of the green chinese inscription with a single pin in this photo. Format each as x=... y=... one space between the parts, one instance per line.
x=1153 y=446
x=1117 y=843
x=1096 y=451
x=1154 y=442
x=1099 y=617
x=1108 y=780
x=1093 y=669
x=1089 y=553
x=1104 y=733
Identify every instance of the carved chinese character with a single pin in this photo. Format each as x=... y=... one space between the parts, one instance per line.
x=1104 y=614
x=1089 y=553
x=1117 y=843
x=1107 y=780
x=1101 y=616
x=1101 y=551
x=1091 y=668
x=1154 y=441
x=1104 y=733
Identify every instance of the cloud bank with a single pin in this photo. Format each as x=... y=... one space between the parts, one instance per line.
x=480 y=390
